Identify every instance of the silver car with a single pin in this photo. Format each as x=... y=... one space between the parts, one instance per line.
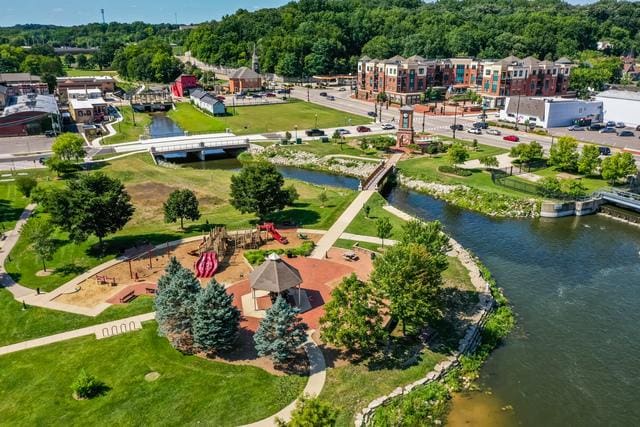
x=608 y=130
x=493 y=132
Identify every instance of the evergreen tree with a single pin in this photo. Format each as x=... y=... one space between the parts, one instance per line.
x=169 y=271
x=216 y=320
x=311 y=412
x=280 y=332
x=352 y=318
x=175 y=304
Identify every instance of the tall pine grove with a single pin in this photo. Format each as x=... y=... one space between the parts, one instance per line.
x=216 y=320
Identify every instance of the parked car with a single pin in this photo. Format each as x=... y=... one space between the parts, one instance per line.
x=475 y=131
x=608 y=130
x=323 y=94
x=575 y=128
x=638 y=127
x=314 y=132
x=342 y=89
x=456 y=127
x=371 y=114
x=610 y=124
x=50 y=133
x=481 y=125
x=511 y=138
x=596 y=126
x=256 y=95
x=387 y=126
x=220 y=98
x=494 y=132
x=620 y=125
x=270 y=95
x=363 y=129
x=625 y=133
x=343 y=131
x=605 y=151
x=239 y=96
x=331 y=98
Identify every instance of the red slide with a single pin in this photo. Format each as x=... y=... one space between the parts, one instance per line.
x=269 y=227
x=207 y=264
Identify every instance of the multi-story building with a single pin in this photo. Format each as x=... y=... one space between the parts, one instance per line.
x=104 y=83
x=404 y=80
x=23 y=84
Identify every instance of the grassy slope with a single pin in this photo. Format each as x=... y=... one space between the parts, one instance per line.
x=263 y=118
x=367 y=226
x=125 y=130
x=321 y=149
x=190 y=390
x=150 y=186
x=34 y=322
x=12 y=204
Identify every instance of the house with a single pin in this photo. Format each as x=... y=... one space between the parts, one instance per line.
x=180 y=87
x=103 y=83
x=630 y=68
x=244 y=80
x=620 y=106
x=29 y=114
x=23 y=83
x=87 y=110
x=550 y=112
x=207 y=102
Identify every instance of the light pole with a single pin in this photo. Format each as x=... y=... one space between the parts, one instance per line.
x=296 y=131
x=455 y=120
x=518 y=111
x=316 y=120
x=424 y=116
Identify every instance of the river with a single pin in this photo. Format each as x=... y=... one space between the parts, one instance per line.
x=162 y=126
x=574 y=284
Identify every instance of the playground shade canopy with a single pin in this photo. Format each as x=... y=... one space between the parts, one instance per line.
x=274 y=275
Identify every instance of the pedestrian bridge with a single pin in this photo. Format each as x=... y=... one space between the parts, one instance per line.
x=621 y=198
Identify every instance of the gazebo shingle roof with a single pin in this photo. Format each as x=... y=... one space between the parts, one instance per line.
x=274 y=275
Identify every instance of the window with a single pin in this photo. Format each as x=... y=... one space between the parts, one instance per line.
x=487 y=73
x=554 y=71
x=520 y=73
x=420 y=70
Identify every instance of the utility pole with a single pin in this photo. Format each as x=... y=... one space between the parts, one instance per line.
x=518 y=111
x=455 y=118
x=424 y=116
x=102 y=13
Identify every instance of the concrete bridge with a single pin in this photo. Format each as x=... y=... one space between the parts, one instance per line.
x=201 y=147
x=621 y=198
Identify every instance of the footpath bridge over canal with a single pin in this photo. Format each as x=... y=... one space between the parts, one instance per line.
x=621 y=198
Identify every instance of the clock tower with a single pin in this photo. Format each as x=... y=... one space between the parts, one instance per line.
x=405 y=133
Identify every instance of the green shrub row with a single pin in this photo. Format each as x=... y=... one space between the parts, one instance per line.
x=257 y=256
x=454 y=170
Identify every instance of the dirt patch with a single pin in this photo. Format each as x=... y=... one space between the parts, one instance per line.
x=45 y=273
x=152 y=376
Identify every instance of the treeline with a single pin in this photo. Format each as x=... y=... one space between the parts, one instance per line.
x=328 y=36
x=150 y=60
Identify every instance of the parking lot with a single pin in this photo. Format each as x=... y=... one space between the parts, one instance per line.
x=609 y=139
x=25 y=144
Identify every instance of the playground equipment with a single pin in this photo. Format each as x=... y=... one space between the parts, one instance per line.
x=207 y=264
x=271 y=229
x=215 y=241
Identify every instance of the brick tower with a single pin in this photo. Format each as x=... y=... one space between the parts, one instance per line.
x=405 y=133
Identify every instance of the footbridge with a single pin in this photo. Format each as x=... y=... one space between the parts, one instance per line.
x=621 y=198
x=374 y=180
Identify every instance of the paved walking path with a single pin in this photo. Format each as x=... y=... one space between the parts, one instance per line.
x=367 y=239
x=315 y=384
x=389 y=164
x=336 y=230
x=102 y=330
x=6 y=281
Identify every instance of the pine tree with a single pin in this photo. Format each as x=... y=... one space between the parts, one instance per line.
x=175 y=304
x=280 y=332
x=216 y=320
x=169 y=271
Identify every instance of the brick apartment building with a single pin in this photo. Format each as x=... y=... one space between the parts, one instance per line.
x=404 y=80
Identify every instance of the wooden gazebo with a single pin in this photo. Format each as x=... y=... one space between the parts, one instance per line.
x=274 y=276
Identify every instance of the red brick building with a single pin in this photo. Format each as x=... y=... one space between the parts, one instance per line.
x=180 y=87
x=244 y=80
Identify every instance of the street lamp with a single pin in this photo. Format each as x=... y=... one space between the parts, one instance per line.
x=296 y=132
x=455 y=120
x=518 y=111
x=316 y=120
x=424 y=116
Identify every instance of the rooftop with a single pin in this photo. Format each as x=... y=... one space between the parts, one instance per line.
x=244 y=73
x=620 y=94
x=77 y=104
x=85 y=78
x=19 y=78
x=32 y=102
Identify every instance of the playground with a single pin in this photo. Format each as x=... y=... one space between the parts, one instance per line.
x=219 y=254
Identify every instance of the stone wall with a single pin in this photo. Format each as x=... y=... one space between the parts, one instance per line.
x=467 y=344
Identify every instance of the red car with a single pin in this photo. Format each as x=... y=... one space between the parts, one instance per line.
x=363 y=129
x=511 y=138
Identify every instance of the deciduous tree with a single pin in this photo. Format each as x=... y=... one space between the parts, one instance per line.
x=457 y=153
x=69 y=146
x=38 y=232
x=589 y=160
x=181 y=204
x=311 y=412
x=618 y=166
x=383 y=228
x=26 y=184
x=564 y=154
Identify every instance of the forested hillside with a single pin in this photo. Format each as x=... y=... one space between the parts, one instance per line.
x=327 y=36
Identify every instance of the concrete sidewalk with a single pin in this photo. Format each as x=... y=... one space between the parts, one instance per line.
x=102 y=330
x=336 y=230
x=18 y=291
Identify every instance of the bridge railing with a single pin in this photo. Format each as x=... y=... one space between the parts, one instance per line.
x=201 y=145
x=374 y=175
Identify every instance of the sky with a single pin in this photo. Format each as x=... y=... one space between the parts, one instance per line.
x=74 y=12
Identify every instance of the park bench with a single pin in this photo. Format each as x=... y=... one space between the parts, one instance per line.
x=128 y=297
x=150 y=290
x=106 y=280
x=302 y=236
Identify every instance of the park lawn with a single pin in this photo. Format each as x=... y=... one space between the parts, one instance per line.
x=34 y=322
x=348 y=244
x=263 y=118
x=367 y=226
x=591 y=183
x=74 y=72
x=189 y=391
x=321 y=149
x=12 y=203
x=126 y=131
x=149 y=186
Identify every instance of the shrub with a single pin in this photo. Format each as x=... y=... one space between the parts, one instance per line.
x=452 y=170
x=87 y=386
x=257 y=256
x=25 y=185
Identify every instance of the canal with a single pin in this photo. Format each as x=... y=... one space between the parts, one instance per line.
x=162 y=126
x=574 y=284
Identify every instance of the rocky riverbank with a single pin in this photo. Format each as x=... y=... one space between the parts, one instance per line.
x=347 y=165
x=492 y=204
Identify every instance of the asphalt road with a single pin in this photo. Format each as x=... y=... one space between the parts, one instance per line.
x=12 y=145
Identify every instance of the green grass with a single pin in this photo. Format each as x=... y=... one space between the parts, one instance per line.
x=322 y=149
x=34 y=322
x=348 y=244
x=149 y=185
x=591 y=183
x=126 y=131
x=74 y=72
x=367 y=226
x=12 y=203
x=263 y=118
x=190 y=390
x=457 y=275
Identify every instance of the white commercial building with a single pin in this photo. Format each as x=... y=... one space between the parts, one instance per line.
x=621 y=106
x=550 y=112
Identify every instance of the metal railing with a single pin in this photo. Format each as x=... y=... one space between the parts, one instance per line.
x=201 y=145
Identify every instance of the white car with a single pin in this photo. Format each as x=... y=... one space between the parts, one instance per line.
x=620 y=125
x=474 y=131
x=493 y=132
x=387 y=126
x=343 y=131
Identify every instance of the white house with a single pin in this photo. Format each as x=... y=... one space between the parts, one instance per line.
x=550 y=112
x=621 y=106
x=207 y=102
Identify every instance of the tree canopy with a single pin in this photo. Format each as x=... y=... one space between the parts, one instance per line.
x=181 y=204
